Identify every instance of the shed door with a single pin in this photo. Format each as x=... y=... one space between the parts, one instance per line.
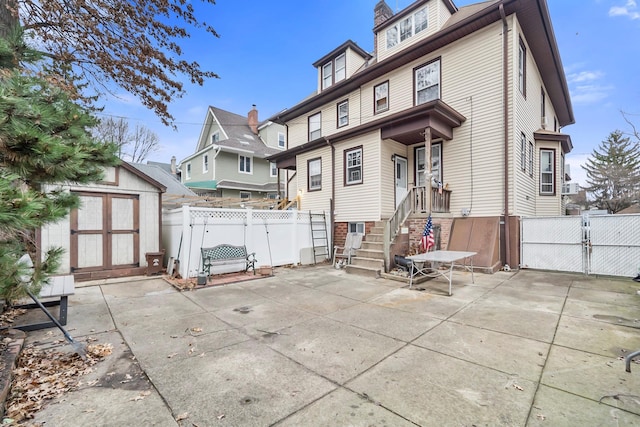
x=105 y=232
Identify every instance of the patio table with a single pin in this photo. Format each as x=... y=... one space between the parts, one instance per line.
x=445 y=257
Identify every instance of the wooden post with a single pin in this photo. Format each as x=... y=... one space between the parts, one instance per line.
x=427 y=166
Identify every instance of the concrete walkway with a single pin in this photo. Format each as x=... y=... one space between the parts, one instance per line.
x=314 y=346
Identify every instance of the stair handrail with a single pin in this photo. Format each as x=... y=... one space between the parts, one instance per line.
x=393 y=224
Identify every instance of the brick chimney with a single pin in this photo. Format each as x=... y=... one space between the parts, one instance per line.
x=381 y=13
x=253 y=119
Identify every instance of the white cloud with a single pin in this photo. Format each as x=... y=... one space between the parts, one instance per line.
x=584 y=76
x=627 y=10
x=589 y=94
x=575 y=162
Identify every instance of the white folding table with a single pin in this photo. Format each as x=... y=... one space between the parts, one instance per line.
x=445 y=257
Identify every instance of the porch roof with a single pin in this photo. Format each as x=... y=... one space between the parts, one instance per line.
x=549 y=135
x=406 y=127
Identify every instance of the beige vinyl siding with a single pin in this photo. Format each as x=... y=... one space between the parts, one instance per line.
x=443 y=14
x=354 y=62
x=473 y=161
x=319 y=200
x=384 y=53
x=360 y=202
x=527 y=119
x=387 y=174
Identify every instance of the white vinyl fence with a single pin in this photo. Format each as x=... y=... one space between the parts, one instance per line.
x=277 y=237
x=597 y=244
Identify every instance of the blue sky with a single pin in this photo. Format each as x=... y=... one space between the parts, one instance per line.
x=265 y=51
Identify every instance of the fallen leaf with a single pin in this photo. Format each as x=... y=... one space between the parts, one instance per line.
x=540 y=417
x=196 y=329
x=172 y=355
x=221 y=416
x=182 y=416
x=517 y=387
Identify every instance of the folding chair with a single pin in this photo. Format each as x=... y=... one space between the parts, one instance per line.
x=344 y=253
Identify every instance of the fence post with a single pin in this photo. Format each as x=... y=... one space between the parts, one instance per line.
x=186 y=241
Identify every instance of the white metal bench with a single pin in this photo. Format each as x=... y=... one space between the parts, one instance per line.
x=55 y=293
x=226 y=254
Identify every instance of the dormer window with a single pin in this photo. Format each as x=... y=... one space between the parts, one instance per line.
x=407 y=27
x=341 y=67
x=215 y=137
x=327 y=75
x=334 y=71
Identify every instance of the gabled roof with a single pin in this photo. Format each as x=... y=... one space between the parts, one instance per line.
x=343 y=47
x=164 y=178
x=144 y=176
x=534 y=19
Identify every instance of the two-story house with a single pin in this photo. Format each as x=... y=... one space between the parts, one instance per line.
x=230 y=156
x=456 y=114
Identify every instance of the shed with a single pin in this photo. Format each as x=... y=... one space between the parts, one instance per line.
x=118 y=223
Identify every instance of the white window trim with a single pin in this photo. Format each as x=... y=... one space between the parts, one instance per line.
x=358 y=226
x=342 y=70
x=347 y=168
x=247 y=194
x=377 y=110
x=310 y=186
x=213 y=137
x=187 y=172
x=436 y=66
x=273 y=170
x=242 y=164
x=410 y=32
x=530 y=158
x=327 y=75
x=281 y=137
x=552 y=173
x=311 y=120
x=346 y=116
x=205 y=163
x=522 y=68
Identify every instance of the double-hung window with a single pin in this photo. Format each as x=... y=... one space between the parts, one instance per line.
x=314 y=167
x=547 y=172
x=381 y=97
x=341 y=67
x=327 y=75
x=244 y=164
x=215 y=137
x=343 y=113
x=205 y=163
x=523 y=152
x=406 y=28
x=273 y=169
x=427 y=82
x=188 y=171
x=353 y=166
x=315 y=126
x=281 y=140
x=420 y=20
x=522 y=68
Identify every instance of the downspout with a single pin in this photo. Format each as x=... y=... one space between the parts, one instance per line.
x=505 y=106
x=332 y=202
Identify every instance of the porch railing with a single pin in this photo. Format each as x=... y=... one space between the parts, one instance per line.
x=414 y=201
x=440 y=200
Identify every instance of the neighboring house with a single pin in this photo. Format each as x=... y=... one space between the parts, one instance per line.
x=479 y=90
x=229 y=160
x=117 y=224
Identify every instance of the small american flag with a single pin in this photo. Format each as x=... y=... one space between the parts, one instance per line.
x=427 y=241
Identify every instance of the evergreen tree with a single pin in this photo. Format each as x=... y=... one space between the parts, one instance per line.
x=613 y=173
x=45 y=143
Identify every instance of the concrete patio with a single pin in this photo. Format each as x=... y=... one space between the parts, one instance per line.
x=314 y=346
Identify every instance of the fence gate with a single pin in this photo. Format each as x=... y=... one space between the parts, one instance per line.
x=553 y=243
x=615 y=245
x=598 y=244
